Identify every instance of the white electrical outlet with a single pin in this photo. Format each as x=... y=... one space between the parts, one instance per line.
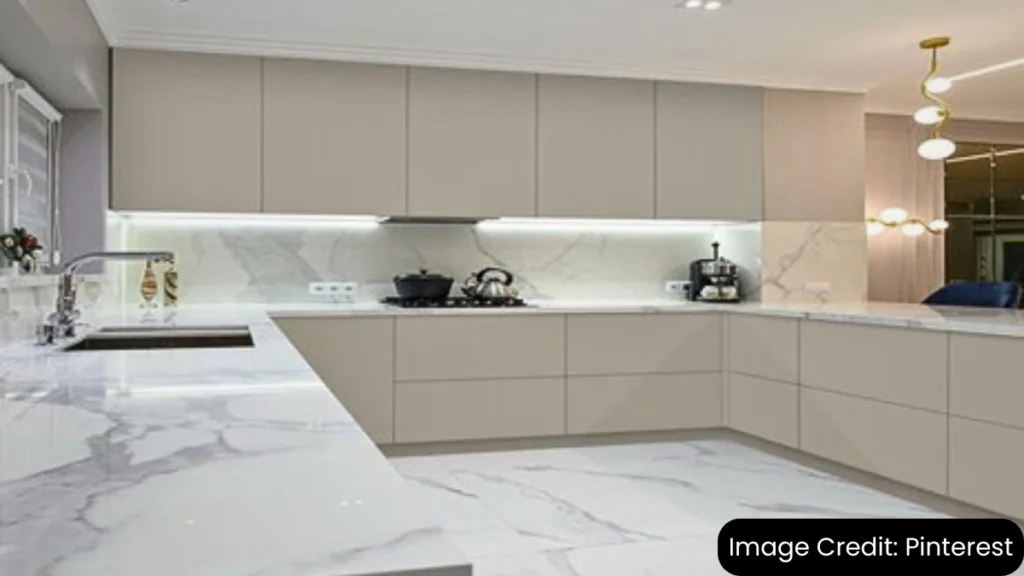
x=675 y=286
x=818 y=287
x=335 y=290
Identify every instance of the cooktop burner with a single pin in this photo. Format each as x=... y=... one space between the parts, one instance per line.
x=454 y=302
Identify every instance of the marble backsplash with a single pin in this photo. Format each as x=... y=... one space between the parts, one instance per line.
x=814 y=262
x=258 y=263
x=781 y=262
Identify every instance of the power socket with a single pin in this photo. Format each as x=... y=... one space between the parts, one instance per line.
x=675 y=286
x=334 y=290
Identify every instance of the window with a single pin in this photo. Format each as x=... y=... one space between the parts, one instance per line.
x=30 y=132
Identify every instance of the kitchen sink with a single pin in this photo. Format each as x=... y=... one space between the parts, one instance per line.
x=164 y=337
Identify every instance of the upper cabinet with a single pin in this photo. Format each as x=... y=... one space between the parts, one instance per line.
x=710 y=145
x=814 y=156
x=333 y=138
x=186 y=132
x=595 y=148
x=472 y=143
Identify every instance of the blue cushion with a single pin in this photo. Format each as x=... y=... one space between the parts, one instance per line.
x=977 y=294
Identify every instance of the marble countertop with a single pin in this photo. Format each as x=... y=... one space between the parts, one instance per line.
x=213 y=462
x=240 y=462
x=945 y=319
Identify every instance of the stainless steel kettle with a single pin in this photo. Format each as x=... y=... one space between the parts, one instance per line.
x=490 y=284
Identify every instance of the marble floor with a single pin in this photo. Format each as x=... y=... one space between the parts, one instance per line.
x=630 y=510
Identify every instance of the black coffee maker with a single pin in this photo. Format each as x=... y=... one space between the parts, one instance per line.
x=714 y=279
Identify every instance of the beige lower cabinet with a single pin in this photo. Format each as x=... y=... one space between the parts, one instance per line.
x=353 y=357
x=479 y=409
x=479 y=347
x=985 y=465
x=764 y=408
x=898 y=365
x=764 y=347
x=603 y=344
x=635 y=403
x=985 y=378
x=904 y=444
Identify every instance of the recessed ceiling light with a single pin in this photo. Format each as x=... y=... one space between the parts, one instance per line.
x=713 y=5
x=693 y=4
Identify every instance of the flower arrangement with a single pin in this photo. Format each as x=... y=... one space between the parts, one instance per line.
x=21 y=248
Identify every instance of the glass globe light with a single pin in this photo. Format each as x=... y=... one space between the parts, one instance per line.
x=913 y=229
x=936 y=149
x=939 y=85
x=893 y=216
x=928 y=116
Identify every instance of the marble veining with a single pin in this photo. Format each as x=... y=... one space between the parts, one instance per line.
x=226 y=462
x=643 y=509
x=221 y=263
x=814 y=262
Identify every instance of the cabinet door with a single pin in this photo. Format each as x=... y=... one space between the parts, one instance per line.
x=710 y=147
x=605 y=344
x=479 y=347
x=186 y=132
x=353 y=357
x=814 y=156
x=903 y=444
x=897 y=365
x=472 y=142
x=595 y=148
x=333 y=137
x=643 y=402
x=764 y=347
x=479 y=409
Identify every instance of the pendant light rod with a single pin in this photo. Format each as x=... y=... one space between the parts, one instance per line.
x=934 y=44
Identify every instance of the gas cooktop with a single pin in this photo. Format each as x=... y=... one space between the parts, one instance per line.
x=454 y=302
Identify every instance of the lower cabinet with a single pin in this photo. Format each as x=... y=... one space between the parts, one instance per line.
x=985 y=467
x=636 y=403
x=353 y=357
x=904 y=444
x=764 y=408
x=479 y=409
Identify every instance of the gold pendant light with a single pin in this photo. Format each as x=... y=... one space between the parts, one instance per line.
x=936 y=147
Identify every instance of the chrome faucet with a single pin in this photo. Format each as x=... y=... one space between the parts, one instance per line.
x=61 y=322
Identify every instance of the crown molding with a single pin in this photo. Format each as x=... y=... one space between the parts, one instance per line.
x=184 y=42
x=103 y=20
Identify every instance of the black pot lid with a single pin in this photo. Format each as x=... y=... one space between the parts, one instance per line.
x=423 y=274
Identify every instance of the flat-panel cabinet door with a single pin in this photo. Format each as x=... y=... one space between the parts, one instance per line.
x=353 y=357
x=710 y=143
x=333 y=138
x=472 y=143
x=186 y=132
x=595 y=147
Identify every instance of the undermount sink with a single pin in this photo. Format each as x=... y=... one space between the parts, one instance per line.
x=164 y=337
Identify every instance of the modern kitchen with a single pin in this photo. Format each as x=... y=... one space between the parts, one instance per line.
x=353 y=289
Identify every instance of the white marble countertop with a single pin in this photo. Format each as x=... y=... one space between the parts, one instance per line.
x=240 y=462
x=213 y=462
x=946 y=319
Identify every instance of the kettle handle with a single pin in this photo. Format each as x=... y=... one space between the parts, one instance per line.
x=509 y=278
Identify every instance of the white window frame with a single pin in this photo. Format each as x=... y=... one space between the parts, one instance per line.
x=12 y=91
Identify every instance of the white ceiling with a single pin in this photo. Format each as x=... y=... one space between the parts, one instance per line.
x=852 y=45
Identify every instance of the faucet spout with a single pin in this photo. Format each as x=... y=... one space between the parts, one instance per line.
x=61 y=322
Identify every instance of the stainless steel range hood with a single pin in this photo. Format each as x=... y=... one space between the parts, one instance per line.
x=431 y=220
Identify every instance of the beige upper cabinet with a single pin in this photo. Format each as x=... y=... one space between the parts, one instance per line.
x=472 y=143
x=595 y=148
x=186 y=132
x=333 y=137
x=814 y=156
x=710 y=152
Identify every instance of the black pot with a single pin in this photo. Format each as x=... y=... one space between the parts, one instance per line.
x=423 y=285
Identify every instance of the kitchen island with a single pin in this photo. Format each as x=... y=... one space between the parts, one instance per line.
x=237 y=462
x=201 y=462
